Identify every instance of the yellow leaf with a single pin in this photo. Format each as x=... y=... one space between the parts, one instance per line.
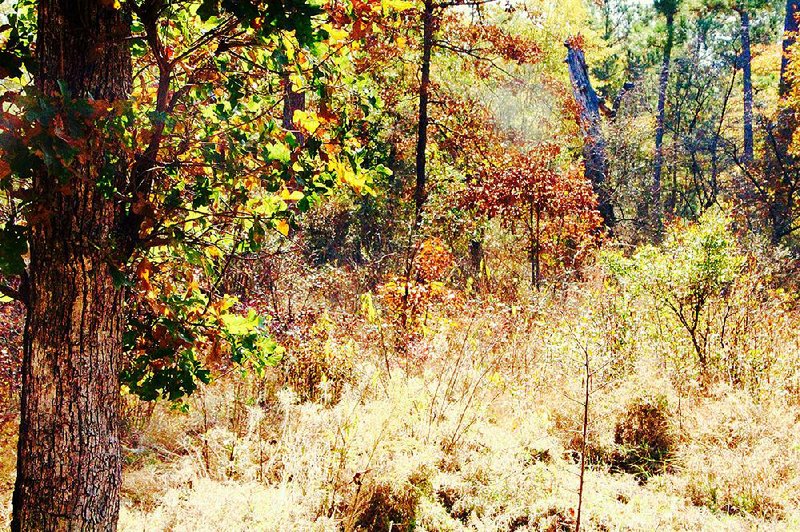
x=295 y=195
x=283 y=227
x=297 y=82
x=396 y=5
x=287 y=43
x=227 y=302
x=306 y=120
x=240 y=325
x=334 y=35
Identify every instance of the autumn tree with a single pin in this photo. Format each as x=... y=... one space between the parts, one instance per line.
x=114 y=178
x=400 y=59
x=481 y=43
x=744 y=11
x=771 y=187
x=782 y=189
x=556 y=206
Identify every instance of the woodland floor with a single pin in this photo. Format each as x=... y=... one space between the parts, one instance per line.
x=476 y=427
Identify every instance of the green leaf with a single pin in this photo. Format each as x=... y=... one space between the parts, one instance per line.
x=208 y=9
x=10 y=65
x=120 y=279
x=278 y=152
x=13 y=245
x=238 y=325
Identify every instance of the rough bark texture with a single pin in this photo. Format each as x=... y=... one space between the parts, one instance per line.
x=594 y=144
x=662 y=98
x=69 y=466
x=747 y=87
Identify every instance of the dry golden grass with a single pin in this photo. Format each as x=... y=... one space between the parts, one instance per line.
x=477 y=433
x=8 y=465
x=475 y=425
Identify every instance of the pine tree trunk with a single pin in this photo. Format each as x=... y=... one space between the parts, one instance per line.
x=69 y=464
x=662 y=98
x=747 y=87
x=790 y=28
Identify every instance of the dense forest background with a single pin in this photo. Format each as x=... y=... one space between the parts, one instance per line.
x=399 y=265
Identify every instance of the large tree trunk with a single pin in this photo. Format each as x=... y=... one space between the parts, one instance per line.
x=747 y=86
x=594 y=144
x=69 y=466
x=662 y=98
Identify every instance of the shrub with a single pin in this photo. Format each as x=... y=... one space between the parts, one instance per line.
x=694 y=266
x=388 y=509
x=315 y=367
x=645 y=439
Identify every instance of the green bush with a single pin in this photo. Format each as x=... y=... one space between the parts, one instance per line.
x=685 y=275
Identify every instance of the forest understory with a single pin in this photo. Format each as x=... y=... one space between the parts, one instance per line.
x=476 y=422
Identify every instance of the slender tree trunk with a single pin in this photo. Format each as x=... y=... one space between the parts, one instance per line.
x=747 y=87
x=594 y=144
x=587 y=389
x=790 y=28
x=476 y=258
x=786 y=115
x=69 y=465
x=538 y=272
x=535 y=246
x=420 y=189
x=715 y=144
x=662 y=98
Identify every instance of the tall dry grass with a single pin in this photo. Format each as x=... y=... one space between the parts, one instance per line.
x=473 y=426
